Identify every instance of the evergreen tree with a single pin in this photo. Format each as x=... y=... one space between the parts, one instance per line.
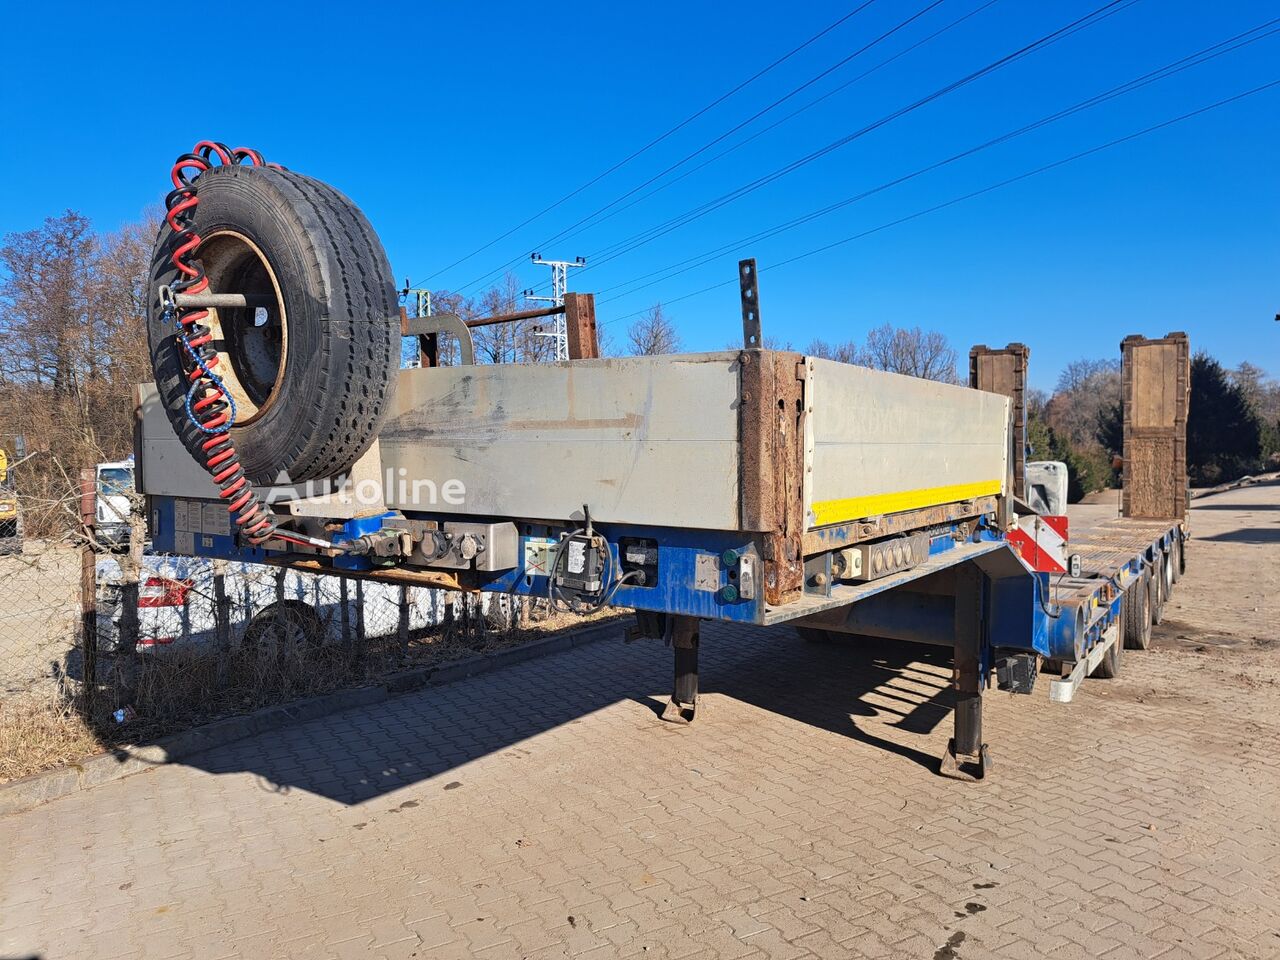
x=1224 y=434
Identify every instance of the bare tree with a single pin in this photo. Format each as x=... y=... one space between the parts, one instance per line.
x=606 y=343
x=72 y=348
x=44 y=302
x=498 y=343
x=518 y=341
x=1037 y=400
x=1080 y=373
x=653 y=333
x=1087 y=395
x=914 y=352
x=1260 y=391
x=846 y=352
x=770 y=342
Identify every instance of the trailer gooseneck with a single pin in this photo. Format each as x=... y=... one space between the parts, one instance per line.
x=755 y=486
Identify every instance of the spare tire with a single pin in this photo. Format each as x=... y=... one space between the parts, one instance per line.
x=313 y=379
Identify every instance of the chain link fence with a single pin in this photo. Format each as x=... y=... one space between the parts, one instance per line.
x=107 y=643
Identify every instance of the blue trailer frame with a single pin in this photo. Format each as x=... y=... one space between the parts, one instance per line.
x=979 y=596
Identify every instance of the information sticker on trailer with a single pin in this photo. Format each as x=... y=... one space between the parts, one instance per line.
x=181 y=516
x=201 y=517
x=215 y=519
x=1042 y=543
x=539 y=555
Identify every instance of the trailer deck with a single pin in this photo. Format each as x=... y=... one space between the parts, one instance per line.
x=754 y=486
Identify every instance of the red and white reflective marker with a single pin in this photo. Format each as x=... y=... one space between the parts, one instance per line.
x=1042 y=543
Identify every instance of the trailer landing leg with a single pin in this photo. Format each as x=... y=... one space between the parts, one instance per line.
x=683 y=635
x=966 y=757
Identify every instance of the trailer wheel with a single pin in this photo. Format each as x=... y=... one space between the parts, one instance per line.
x=312 y=377
x=1179 y=559
x=1108 y=667
x=1159 y=587
x=1135 y=612
x=283 y=626
x=1170 y=571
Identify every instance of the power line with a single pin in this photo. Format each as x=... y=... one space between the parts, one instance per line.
x=659 y=139
x=637 y=240
x=573 y=229
x=1202 y=56
x=812 y=103
x=689 y=216
x=976 y=193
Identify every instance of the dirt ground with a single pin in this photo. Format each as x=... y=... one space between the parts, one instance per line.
x=1230 y=597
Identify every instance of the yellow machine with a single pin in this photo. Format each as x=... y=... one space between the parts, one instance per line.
x=10 y=519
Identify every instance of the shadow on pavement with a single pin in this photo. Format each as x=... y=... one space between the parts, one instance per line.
x=1246 y=535
x=357 y=755
x=1236 y=507
x=842 y=683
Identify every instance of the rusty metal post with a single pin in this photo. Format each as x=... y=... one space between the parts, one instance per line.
x=1004 y=371
x=1156 y=385
x=88 y=592
x=361 y=648
x=131 y=574
x=402 y=628
x=749 y=294
x=516 y=315
x=344 y=615
x=222 y=607
x=428 y=343
x=580 y=323
x=771 y=424
x=221 y=619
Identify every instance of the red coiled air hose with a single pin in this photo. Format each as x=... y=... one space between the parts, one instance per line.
x=210 y=408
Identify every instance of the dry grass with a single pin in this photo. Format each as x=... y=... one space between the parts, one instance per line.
x=39 y=733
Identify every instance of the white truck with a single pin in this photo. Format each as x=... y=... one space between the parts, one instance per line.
x=114 y=501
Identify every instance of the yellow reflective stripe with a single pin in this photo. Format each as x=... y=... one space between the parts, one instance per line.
x=855 y=508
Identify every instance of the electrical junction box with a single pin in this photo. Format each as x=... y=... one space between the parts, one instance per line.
x=639 y=559
x=578 y=563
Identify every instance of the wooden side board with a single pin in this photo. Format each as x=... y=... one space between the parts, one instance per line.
x=1156 y=377
x=1004 y=371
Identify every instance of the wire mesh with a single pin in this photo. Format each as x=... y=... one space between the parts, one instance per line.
x=135 y=643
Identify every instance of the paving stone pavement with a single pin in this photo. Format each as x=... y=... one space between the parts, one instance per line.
x=543 y=811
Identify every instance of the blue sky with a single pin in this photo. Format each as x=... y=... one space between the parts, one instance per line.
x=450 y=124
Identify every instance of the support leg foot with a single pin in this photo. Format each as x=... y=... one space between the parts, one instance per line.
x=965 y=766
x=677 y=712
x=683 y=636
